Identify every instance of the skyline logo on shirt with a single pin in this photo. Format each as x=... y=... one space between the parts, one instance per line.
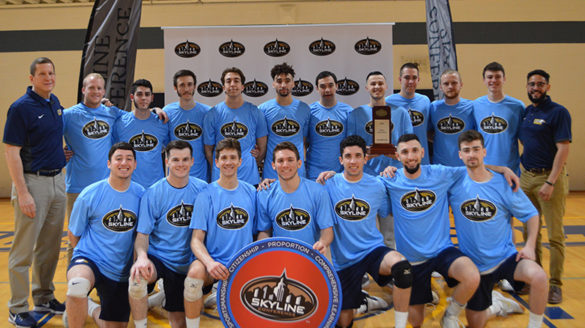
x=143 y=142
x=418 y=200
x=302 y=88
x=322 y=47
x=234 y=130
x=119 y=220
x=285 y=127
x=417 y=118
x=279 y=298
x=329 y=128
x=347 y=87
x=255 y=88
x=478 y=210
x=95 y=129
x=369 y=127
x=352 y=209
x=180 y=215
x=210 y=89
x=232 y=217
x=493 y=124
x=188 y=131
x=293 y=219
x=450 y=125
x=232 y=49
x=367 y=46
x=276 y=48
x=187 y=49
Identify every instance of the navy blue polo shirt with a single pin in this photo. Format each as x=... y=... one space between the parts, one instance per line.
x=543 y=126
x=36 y=124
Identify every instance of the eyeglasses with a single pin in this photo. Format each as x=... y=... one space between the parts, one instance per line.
x=536 y=84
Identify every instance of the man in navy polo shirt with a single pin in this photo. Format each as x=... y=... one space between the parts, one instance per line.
x=33 y=138
x=545 y=134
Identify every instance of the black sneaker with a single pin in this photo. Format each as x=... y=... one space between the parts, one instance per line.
x=52 y=306
x=22 y=320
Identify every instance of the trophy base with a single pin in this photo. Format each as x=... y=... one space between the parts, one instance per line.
x=383 y=149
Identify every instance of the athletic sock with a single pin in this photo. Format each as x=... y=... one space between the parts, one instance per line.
x=140 y=323
x=91 y=306
x=400 y=319
x=192 y=323
x=534 y=320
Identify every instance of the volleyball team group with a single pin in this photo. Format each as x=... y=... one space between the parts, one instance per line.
x=135 y=219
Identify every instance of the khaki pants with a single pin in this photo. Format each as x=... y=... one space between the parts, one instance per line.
x=553 y=211
x=37 y=242
x=71 y=198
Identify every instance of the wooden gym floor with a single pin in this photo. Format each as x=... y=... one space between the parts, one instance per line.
x=567 y=314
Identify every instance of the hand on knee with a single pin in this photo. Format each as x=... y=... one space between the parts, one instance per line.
x=137 y=289
x=78 y=287
x=193 y=289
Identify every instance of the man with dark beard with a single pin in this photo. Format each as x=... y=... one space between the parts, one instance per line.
x=546 y=134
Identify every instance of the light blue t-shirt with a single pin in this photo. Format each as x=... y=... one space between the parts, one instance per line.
x=360 y=123
x=105 y=220
x=149 y=138
x=88 y=133
x=418 y=109
x=483 y=213
x=285 y=123
x=499 y=124
x=227 y=217
x=449 y=122
x=328 y=127
x=246 y=124
x=355 y=205
x=187 y=125
x=165 y=215
x=421 y=210
x=301 y=214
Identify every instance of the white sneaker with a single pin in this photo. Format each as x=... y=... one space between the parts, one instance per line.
x=371 y=303
x=365 y=280
x=210 y=301
x=435 y=274
x=505 y=285
x=504 y=305
x=436 y=298
x=449 y=321
x=157 y=299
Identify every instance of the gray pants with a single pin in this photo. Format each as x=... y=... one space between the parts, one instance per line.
x=37 y=242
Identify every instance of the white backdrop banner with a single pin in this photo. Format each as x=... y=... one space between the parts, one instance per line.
x=350 y=51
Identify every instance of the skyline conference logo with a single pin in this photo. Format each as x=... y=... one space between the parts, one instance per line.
x=478 y=210
x=279 y=298
x=352 y=209
x=231 y=49
x=95 y=129
x=322 y=47
x=347 y=87
x=180 y=215
x=210 y=89
x=302 y=88
x=293 y=219
x=417 y=118
x=188 y=131
x=329 y=128
x=285 y=127
x=450 y=125
x=234 y=130
x=276 y=48
x=143 y=142
x=493 y=124
x=418 y=200
x=255 y=88
x=232 y=217
x=368 y=46
x=187 y=49
x=119 y=220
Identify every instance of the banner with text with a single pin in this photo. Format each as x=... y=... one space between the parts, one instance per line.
x=350 y=51
x=110 y=47
x=440 y=40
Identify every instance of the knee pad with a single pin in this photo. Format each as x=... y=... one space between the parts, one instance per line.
x=193 y=289
x=137 y=290
x=78 y=287
x=402 y=273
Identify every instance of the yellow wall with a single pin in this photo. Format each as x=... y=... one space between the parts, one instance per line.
x=565 y=62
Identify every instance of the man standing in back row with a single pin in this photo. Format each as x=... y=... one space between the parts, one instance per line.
x=33 y=137
x=545 y=134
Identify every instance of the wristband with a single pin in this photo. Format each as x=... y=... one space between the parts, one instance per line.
x=549 y=183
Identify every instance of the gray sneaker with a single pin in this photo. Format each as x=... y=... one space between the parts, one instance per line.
x=210 y=301
x=371 y=304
